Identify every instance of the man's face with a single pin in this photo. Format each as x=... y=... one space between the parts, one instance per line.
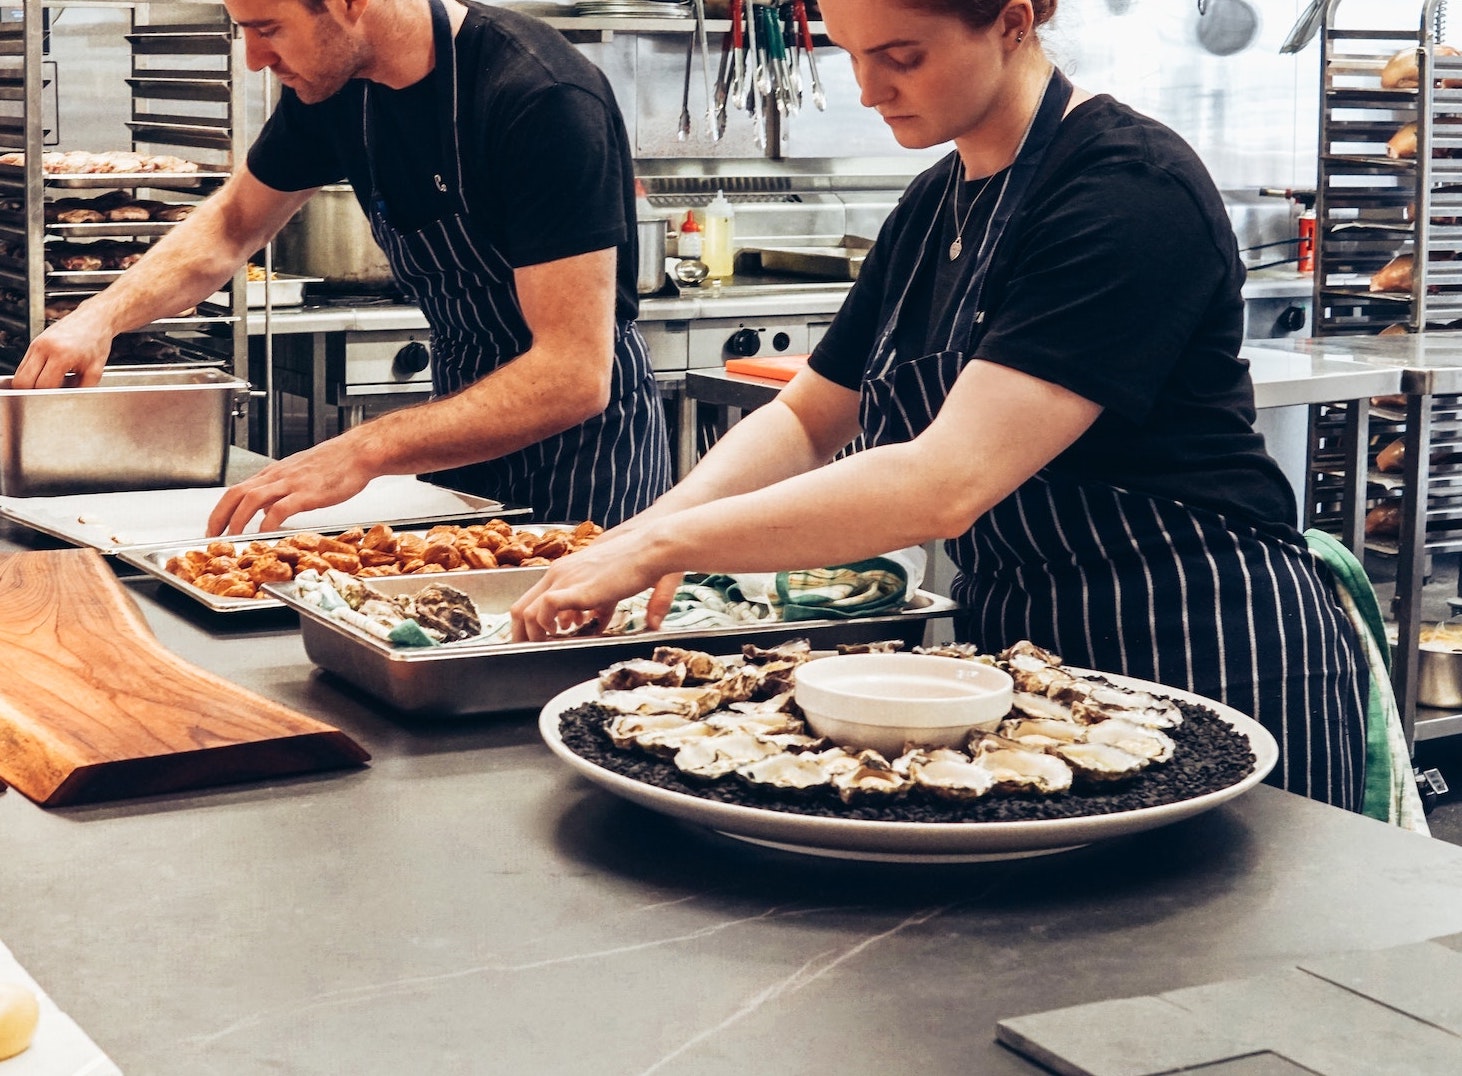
x=309 y=49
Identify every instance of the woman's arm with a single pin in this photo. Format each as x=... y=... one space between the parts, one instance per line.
x=997 y=428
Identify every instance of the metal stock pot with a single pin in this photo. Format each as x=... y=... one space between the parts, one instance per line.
x=330 y=237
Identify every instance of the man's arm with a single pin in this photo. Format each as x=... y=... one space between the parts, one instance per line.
x=184 y=267
x=560 y=381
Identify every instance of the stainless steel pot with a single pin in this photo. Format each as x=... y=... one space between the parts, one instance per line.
x=1439 y=676
x=330 y=237
x=650 y=271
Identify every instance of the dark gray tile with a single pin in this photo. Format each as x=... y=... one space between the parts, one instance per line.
x=1265 y=1064
x=1424 y=981
x=1324 y=1027
x=1140 y=1036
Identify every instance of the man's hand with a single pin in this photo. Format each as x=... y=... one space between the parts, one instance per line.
x=71 y=353
x=315 y=478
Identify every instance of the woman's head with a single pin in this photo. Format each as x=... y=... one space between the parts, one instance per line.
x=942 y=70
x=978 y=14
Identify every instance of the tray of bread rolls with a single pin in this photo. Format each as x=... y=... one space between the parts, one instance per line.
x=231 y=575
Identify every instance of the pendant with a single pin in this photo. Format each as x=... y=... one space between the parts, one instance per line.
x=955 y=248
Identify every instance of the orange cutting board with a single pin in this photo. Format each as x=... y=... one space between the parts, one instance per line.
x=93 y=707
x=776 y=367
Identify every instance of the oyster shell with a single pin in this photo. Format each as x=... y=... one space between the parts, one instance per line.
x=723 y=753
x=700 y=667
x=1019 y=770
x=794 y=650
x=878 y=646
x=627 y=675
x=1040 y=707
x=1042 y=732
x=625 y=730
x=757 y=722
x=965 y=651
x=950 y=775
x=1099 y=762
x=869 y=777
x=1150 y=743
x=446 y=612
x=1104 y=701
x=688 y=702
x=788 y=771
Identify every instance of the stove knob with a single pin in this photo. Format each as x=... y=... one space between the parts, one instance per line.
x=744 y=342
x=413 y=358
x=1293 y=319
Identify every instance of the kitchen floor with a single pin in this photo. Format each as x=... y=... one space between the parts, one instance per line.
x=1444 y=755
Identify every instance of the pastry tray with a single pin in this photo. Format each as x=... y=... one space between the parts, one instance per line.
x=152 y=560
x=112 y=522
x=466 y=678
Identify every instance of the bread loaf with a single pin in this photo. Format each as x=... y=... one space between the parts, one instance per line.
x=1392 y=458
x=1384 y=520
x=19 y=1014
x=1402 y=146
x=1401 y=73
x=1395 y=275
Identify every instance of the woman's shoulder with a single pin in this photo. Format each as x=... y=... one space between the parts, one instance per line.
x=1103 y=131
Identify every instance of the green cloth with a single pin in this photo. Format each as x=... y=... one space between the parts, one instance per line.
x=1390 y=792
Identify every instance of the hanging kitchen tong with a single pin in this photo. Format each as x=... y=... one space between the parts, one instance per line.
x=723 y=90
x=799 y=11
x=682 y=130
x=700 y=34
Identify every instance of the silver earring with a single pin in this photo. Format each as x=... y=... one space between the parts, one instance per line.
x=1019 y=37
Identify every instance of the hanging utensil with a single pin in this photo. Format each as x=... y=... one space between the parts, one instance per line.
x=700 y=34
x=682 y=132
x=751 y=56
x=799 y=9
x=723 y=72
x=738 y=65
x=1303 y=31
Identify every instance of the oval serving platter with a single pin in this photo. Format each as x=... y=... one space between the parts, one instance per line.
x=914 y=842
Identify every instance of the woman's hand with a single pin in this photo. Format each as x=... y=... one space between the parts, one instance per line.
x=586 y=586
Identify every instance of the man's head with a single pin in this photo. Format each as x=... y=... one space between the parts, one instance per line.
x=313 y=46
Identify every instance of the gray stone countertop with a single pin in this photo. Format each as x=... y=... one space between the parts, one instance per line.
x=466 y=904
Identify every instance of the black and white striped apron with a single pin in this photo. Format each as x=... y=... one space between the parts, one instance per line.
x=606 y=469
x=1129 y=583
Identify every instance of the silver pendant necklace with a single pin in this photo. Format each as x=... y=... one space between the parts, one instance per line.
x=957 y=247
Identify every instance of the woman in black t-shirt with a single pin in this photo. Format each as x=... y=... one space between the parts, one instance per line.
x=1041 y=352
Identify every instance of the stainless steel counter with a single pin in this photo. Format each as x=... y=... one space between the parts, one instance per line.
x=767 y=296
x=466 y=906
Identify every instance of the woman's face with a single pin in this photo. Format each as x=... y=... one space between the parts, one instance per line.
x=929 y=76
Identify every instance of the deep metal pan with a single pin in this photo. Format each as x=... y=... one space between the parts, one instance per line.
x=464 y=678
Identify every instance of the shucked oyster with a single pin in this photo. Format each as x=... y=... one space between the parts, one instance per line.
x=447 y=612
x=700 y=667
x=1100 y=762
x=636 y=672
x=950 y=775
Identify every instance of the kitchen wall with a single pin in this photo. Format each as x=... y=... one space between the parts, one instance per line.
x=1251 y=115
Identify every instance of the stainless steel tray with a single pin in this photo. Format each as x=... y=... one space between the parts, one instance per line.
x=152 y=560
x=463 y=678
x=112 y=522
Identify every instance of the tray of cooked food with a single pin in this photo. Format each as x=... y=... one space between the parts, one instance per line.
x=135 y=520
x=439 y=645
x=229 y=575
x=719 y=740
x=114 y=168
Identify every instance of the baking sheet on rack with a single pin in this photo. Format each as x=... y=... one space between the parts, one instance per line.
x=152 y=560
x=111 y=522
x=158 y=180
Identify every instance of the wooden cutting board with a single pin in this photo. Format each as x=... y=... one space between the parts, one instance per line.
x=93 y=708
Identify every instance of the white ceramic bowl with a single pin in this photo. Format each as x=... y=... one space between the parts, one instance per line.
x=885 y=701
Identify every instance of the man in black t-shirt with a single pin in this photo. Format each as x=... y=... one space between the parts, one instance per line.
x=493 y=165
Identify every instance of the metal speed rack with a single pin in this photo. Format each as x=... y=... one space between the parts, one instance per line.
x=186 y=100
x=1373 y=206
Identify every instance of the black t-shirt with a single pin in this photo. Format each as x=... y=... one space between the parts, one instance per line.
x=1119 y=278
x=545 y=158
